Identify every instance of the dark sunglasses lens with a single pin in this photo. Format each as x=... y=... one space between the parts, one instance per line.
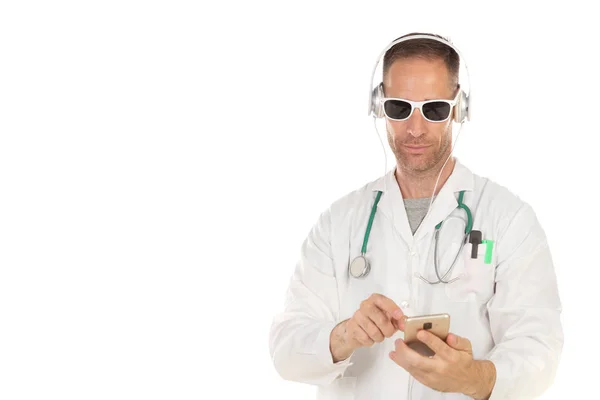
x=397 y=109
x=436 y=110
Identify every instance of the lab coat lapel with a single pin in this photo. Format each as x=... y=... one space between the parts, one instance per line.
x=442 y=206
x=392 y=202
x=447 y=199
x=392 y=206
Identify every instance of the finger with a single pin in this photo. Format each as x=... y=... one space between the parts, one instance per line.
x=360 y=336
x=387 y=305
x=434 y=343
x=400 y=355
x=369 y=327
x=459 y=343
x=409 y=359
x=380 y=319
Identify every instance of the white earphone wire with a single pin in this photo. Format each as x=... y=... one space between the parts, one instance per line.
x=439 y=174
x=443 y=166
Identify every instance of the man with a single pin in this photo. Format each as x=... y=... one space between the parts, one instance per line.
x=344 y=333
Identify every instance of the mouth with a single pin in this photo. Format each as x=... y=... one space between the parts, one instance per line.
x=416 y=149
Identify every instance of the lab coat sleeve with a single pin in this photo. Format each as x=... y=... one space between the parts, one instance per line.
x=524 y=312
x=299 y=337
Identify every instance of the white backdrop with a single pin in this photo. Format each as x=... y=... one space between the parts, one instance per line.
x=162 y=162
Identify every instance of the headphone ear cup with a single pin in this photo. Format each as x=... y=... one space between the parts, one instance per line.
x=468 y=103
x=376 y=101
x=461 y=109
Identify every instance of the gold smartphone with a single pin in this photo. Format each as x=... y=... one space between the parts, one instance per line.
x=438 y=324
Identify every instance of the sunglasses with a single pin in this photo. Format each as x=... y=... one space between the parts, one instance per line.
x=432 y=110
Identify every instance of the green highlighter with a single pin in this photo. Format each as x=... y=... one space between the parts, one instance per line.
x=489 y=246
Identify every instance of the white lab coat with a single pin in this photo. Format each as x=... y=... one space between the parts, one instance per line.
x=509 y=309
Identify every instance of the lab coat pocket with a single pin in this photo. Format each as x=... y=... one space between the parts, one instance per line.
x=476 y=277
x=342 y=388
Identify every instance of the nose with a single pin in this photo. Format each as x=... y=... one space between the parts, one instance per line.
x=416 y=124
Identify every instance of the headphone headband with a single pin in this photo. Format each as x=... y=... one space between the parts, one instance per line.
x=375 y=94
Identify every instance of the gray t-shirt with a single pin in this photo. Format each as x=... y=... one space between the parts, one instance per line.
x=416 y=209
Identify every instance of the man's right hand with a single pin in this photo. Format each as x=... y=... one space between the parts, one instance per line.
x=377 y=318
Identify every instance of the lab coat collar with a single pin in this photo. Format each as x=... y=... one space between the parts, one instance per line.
x=392 y=202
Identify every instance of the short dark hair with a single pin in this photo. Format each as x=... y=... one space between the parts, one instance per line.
x=429 y=49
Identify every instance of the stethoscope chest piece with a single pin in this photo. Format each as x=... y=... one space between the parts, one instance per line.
x=359 y=267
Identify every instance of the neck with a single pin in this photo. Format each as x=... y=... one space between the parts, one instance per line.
x=417 y=185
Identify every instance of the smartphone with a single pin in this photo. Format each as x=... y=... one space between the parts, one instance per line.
x=438 y=324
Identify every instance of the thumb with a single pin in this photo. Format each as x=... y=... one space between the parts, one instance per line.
x=399 y=322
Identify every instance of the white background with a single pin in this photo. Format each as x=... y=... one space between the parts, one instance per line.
x=161 y=163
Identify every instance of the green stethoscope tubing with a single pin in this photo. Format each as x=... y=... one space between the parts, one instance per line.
x=438 y=227
x=462 y=205
x=468 y=228
x=371 y=218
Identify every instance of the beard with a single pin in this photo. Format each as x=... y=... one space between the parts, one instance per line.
x=430 y=160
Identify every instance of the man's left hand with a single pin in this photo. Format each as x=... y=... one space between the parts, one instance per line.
x=451 y=369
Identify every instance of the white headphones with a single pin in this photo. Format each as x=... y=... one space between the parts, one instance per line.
x=462 y=109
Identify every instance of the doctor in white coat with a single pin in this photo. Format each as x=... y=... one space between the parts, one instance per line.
x=344 y=333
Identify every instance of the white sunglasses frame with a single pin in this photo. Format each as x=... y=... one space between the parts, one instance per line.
x=419 y=104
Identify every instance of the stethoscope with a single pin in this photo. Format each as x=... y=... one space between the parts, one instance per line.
x=360 y=266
